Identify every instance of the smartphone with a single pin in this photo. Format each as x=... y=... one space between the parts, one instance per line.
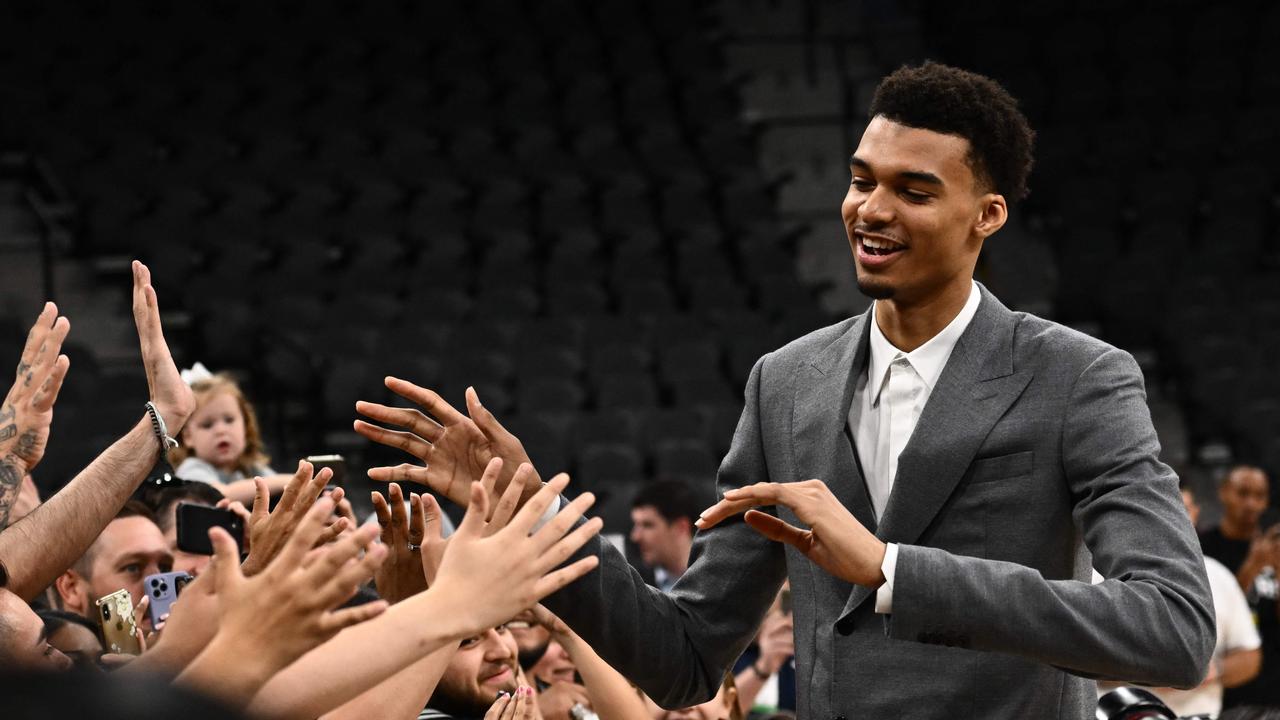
x=119 y=631
x=194 y=522
x=336 y=463
x=784 y=601
x=164 y=589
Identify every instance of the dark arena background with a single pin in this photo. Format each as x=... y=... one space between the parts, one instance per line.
x=601 y=213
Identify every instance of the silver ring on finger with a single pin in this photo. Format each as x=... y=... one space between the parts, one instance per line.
x=414 y=547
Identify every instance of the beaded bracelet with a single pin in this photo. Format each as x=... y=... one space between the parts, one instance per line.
x=162 y=433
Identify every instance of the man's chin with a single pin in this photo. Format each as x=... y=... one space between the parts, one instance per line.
x=874 y=288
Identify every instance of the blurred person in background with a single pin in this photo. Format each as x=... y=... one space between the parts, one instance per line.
x=75 y=636
x=1237 y=656
x=129 y=549
x=724 y=706
x=221 y=444
x=765 y=675
x=532 y=639
x=662 y=517
x=1237 y=542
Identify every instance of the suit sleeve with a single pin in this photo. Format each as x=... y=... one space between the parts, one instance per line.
x=1150 y=622
x=677 y=646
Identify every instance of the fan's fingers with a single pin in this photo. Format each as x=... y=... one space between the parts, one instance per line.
x=402 y=473
x=305 y=535
x=335 y=556
x=417 y=521
x=339 y=620
x=409 y=418
x=333 y=531
x=343 y=583
x=536 y=506
x=428 y=400
x=383 y=513
x=507 y=504
x=570 y=544
x=35 y=338
x=399 y=521
x=48 y=393
x=315 y=487
x=553 y=581
x=399 y=439
x=431 y=518
x=477 y=509
x=294 y=487
x=548 y=534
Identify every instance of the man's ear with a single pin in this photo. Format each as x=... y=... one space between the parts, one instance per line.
x=992 y=215
x=683 y=524
x=73 y=590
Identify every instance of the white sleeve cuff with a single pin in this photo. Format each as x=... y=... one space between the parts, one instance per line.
x=884 y=594
x=550 y=513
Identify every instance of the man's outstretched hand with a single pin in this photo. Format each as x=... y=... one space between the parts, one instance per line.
x=171 y=396
x=454 y=448
x=835 y=540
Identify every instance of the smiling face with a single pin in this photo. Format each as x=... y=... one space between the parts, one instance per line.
x=916 y=214
x=483 y=666
x=215 y=432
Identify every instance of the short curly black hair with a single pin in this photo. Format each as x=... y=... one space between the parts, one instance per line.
x=949 y=100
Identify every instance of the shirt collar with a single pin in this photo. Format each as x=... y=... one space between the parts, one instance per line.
x=929 y=359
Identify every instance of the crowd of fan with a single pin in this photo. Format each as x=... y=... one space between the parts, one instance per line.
x=312 y=614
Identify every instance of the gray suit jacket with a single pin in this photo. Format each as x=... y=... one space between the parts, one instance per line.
x=1035 y=448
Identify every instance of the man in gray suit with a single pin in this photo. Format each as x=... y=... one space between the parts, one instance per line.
x=936 y=476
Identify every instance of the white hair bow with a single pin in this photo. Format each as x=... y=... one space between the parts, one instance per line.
x=196 y=373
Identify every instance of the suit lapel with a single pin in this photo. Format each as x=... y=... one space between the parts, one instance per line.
x=821 y=414
x=975 y=389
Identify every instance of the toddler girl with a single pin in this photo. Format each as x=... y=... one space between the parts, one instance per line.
x=220 y=443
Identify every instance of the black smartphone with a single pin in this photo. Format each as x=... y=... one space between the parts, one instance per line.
x=194 y=522
x=336 y=463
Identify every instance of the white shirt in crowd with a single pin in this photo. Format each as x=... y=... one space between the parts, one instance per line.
x=887 y=403
x=1236 y=631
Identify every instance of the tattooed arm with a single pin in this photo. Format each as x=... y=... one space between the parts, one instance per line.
x=27 y=410
x=43 y=544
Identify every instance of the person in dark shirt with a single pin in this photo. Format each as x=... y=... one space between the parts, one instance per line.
x=1236 y=541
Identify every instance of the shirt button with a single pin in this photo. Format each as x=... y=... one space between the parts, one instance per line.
x=845 y=626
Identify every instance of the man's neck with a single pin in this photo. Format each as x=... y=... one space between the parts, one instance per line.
x=909 y=325
x=675 y=566
x=1234 y=530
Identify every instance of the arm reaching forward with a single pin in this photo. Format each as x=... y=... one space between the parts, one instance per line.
x=491 y=570
x=27 y=410
x=43 y=544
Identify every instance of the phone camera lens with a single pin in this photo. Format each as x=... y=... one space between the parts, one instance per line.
x=106 y=612
x=164 y=587
x=154 y=582
x=155 y=593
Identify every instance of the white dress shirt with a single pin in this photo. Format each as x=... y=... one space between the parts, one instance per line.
x=887 y=403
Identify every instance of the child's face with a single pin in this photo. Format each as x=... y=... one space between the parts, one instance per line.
x=215 y=433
